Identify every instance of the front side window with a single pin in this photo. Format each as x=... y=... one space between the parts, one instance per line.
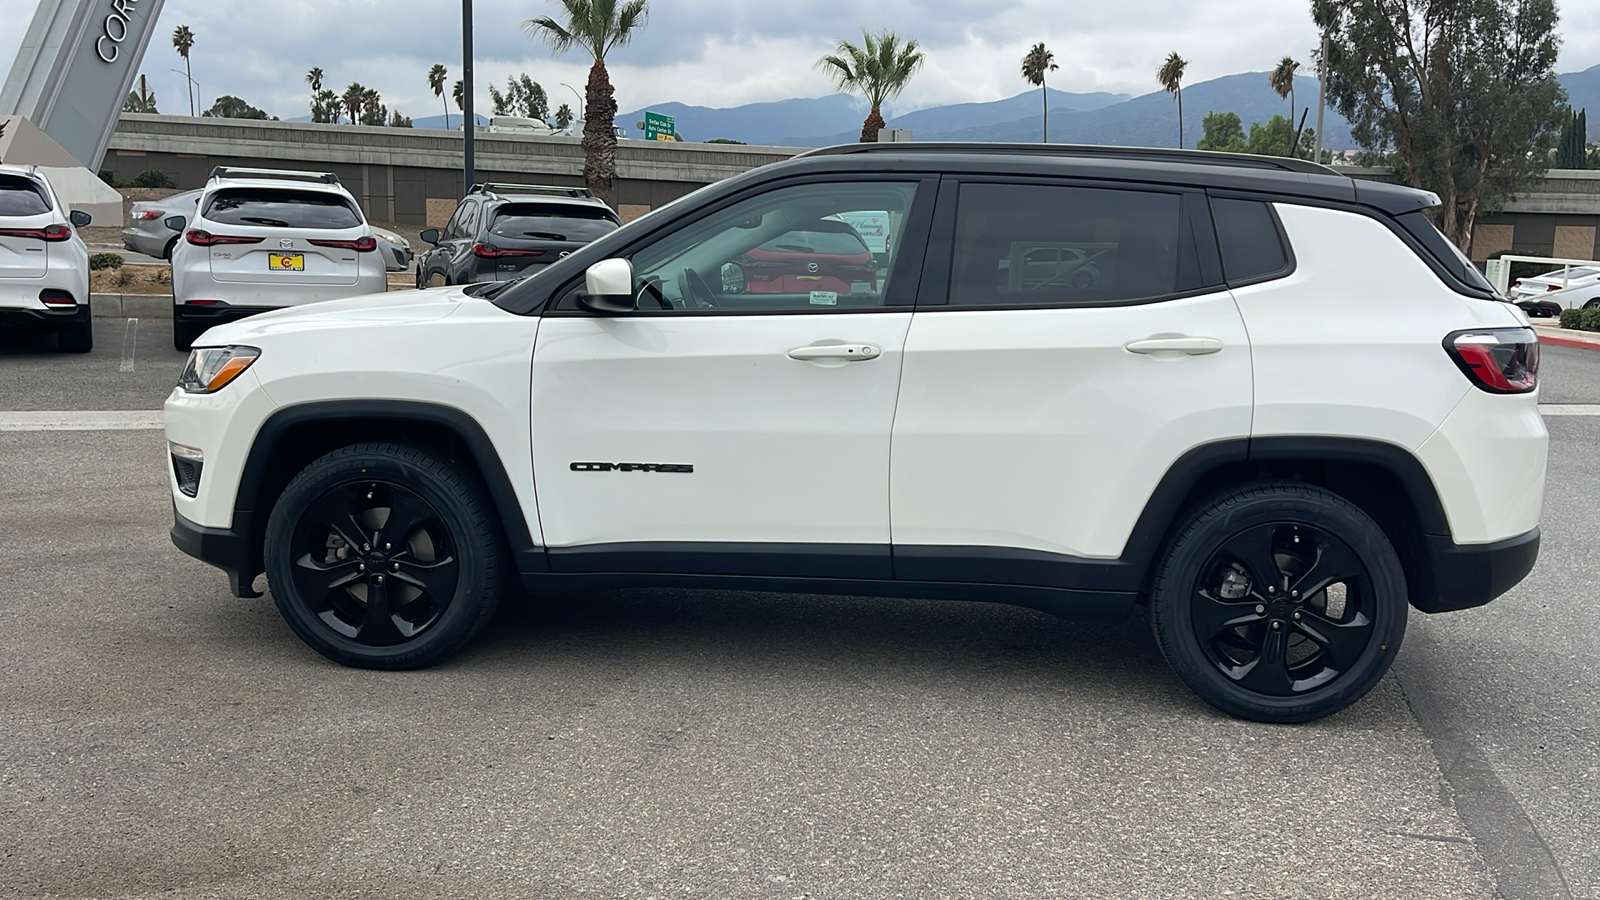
x=806 y=247
x=272 y=208
x=1036 y=245
x=21 y=197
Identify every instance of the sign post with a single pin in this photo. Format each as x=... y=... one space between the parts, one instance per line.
x=659 y=128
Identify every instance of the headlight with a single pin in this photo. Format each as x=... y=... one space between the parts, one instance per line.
x=211 y=368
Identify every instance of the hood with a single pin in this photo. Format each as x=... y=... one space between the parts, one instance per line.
x=367 y=312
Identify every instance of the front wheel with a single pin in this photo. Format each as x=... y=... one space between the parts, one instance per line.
x=383 y=556
x=1280 y=603
x=1593 y=304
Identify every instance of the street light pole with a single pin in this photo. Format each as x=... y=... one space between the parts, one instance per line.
x=577 y=95
x=468 y=121
x=1322 y=81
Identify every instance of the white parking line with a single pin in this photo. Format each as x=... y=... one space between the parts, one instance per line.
x=1569 y=409
x=130 y=344
x=80 y=420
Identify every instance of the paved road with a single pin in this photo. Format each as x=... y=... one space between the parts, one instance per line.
x=165 y=739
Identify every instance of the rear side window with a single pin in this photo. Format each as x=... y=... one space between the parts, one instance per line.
x=1418 y=225
x=1251 y=244
x=1026 y=245
x=280 y=209
x=551 y=223
x=21 y=197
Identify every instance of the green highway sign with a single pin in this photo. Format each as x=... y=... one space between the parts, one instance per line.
x=659 y=128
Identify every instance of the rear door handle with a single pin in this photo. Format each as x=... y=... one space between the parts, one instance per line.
x=836 y=351
x=1193 y=346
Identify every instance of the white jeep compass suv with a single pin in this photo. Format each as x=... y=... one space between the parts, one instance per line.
x=1276 y=453
x=44 y=265
x=264 y=239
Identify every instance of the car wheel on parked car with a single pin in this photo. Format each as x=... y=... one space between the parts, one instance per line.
x=383 y=556
x=1280 y=603
x=76 y=338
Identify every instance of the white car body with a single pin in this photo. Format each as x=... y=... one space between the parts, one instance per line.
x=952 y=446
x=1540 y=293
x=44 y=281
x=255 y=271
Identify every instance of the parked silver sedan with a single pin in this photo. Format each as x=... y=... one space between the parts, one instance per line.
x=147 y=232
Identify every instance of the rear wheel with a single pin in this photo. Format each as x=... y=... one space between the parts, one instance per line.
x=1593 y=304
x=76 y=338
x=1280 y=603
x=166 y=252
x=382 y=556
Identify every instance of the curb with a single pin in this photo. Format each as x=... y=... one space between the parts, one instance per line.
x=119 y=306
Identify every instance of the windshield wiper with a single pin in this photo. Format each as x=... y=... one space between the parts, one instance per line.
x=270 y=223
x=547 y=235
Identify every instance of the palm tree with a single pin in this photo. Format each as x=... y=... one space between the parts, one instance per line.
x=1282 y=81
x=183 y=42
x=597 y=27
x=459 y=94
x=314 y=78
x=563 y=117
x=354 y=97
x=436 y=77
x=880 y=68
x=1171 y=77
x=1035 y=64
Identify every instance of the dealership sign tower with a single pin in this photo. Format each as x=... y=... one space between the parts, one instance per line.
x=75 y=67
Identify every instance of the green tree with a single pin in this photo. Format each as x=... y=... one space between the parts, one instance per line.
x=314 y=78
x=1463 y=90
x=373 y=112
x=325 y=107
x=880 y=69
x=436 y=79
x=459 y=94
x=355 y=100
x=183 y=42
x=398 y=120
x=1035 y=64
x=141 y=99
x=1282 y=81
x=563 y=117
x=596 y=27
x=1171 y=77
x=231 y=107
x=1223 y=131
x=1272 y=139
x=1572 y=148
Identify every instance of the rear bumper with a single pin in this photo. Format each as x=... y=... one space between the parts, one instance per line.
x=46 y=318
x=225 y=548
x=1468 y=575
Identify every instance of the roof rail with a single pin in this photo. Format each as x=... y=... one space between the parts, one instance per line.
x=1086 y=151
x=501 y=187
x=274 y=174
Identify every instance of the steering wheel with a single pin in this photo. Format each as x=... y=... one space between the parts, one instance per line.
x=693 y=287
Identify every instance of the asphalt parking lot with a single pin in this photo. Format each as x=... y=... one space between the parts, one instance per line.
x=165 y=739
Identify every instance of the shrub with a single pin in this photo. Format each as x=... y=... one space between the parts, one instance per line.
x=1589 y=319
x=150 y=178
x=98 y=261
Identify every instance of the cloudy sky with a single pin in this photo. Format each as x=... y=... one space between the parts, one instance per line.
x=724 y=52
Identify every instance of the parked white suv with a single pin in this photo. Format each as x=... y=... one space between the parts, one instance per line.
x=1228 y=424
x=44 y=265
x=265 y=239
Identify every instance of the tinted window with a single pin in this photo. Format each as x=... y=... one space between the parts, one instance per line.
x=1248 y=236
x=280 y=209
x=1446 y=253
x=21 y=197
x=1031 y=244
x=844 y=242
x=551 y=223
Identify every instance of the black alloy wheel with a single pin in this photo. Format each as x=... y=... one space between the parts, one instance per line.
x=1280 y=603
x=383 y=556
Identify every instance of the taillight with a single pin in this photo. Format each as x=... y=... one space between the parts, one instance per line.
x=51 y=233
x=1500 y=360
x=146 y=215
x=490 y=251
x=207 y=239
x=360 y=245
x=1553 y=287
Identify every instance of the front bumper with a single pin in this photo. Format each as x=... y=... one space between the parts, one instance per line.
x=1468 y=575
x=226 y=548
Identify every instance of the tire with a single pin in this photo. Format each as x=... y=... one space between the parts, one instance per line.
x=1593 y=304
x=184 y=334
x=441 y=581
x=76 y=338
x=1258 y=654
x=166 y=252
x=1083 y=281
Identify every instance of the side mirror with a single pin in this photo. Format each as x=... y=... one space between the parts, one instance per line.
x=608 y=287
x=176 y=223
x=431 y=235
x=80 y=218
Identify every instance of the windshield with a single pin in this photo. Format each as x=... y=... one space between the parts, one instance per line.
x=269 y=208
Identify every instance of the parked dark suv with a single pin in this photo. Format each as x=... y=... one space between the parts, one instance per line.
x=501 y=232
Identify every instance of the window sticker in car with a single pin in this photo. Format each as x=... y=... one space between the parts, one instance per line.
x=824 y=298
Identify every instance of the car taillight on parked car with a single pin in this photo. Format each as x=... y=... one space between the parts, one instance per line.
x=51 y=233
x=207 y=239
x=145 y=215
x=360 y=245
x=490 y=251
x=1498 y=360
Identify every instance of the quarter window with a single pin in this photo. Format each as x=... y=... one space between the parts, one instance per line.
x=1033 y=245
x=1247 y=233
x=813 y=247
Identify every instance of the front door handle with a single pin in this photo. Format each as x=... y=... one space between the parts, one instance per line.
x=836 y=351
x=1193 y=346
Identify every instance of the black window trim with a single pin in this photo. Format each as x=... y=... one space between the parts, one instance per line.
x=1194 y=209
x=1290 y=266
x=903 y=279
